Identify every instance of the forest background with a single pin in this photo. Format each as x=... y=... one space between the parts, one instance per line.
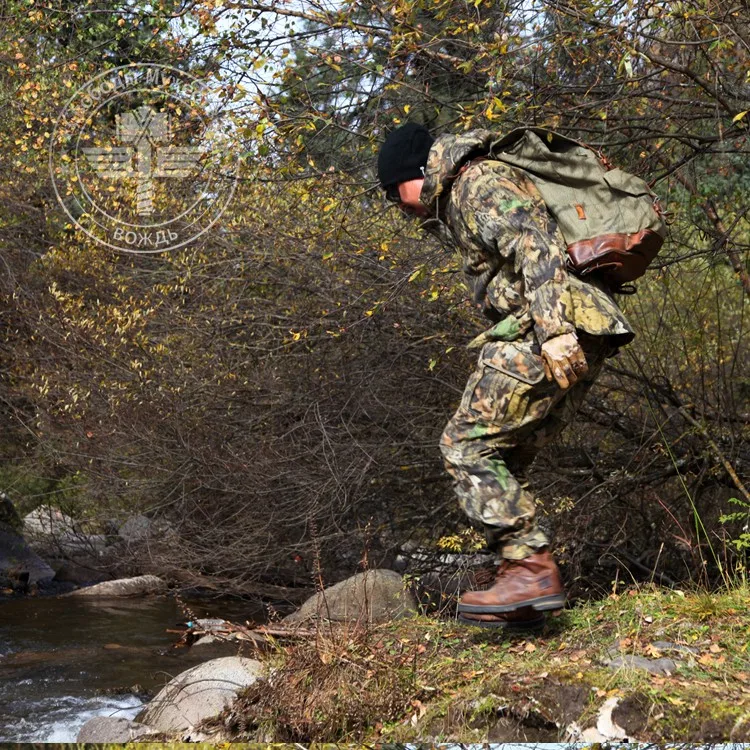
x=276 y=389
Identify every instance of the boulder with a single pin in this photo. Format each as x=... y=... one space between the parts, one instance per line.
x=18 y=561
x=661 y=666
x=375 y=596
x=140 y=528
x=47 y=521
x=135 y=529
x=200 y=693
x=138 y=586
x=210 y=647
x=100 y=729
x=52 y=532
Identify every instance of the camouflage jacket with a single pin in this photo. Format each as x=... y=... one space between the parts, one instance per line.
x=514 y=256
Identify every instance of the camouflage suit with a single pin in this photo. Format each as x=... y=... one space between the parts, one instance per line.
x=514 y=261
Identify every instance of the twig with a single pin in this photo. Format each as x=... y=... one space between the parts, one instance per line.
x=286 y=632
x=729 y=469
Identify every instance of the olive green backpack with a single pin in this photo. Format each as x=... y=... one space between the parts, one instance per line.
x=611 y=221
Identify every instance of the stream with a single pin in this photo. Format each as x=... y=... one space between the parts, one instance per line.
x=64 y=660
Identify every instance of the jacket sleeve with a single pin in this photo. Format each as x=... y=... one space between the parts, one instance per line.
x=502 y=221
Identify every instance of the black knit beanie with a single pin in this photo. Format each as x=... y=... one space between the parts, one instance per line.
x=404 y=154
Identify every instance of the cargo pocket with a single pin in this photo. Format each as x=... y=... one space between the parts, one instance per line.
x=514 y=358
x=503 y=392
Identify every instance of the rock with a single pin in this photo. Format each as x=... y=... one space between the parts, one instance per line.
x=213 y=646
x=140 y=528
x=606 y=729
x=18 y=561
x=101 y=729
x=676 y=647
x=375 y=595
x=605 y=724
x=138 y=586
x=207 y=640
x=654 y=666
x=210 y=647
x=135 y=529
x=47 y=521
x=51 y=531
x=200 y=692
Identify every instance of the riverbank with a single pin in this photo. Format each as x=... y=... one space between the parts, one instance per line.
x=648 y=665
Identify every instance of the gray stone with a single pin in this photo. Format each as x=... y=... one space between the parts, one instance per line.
x=140 y=529
x=210 y=647
x=17 y=558
x=374 y=596
x=135 y=529
x=138 y=586
x=677 y=647
x=229 y=644
x=101 y=729
x=207 y=640
x=200 y=692
x=52 y=532
x=47 y=521
x=654 y=666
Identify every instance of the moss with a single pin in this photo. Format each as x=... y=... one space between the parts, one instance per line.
x=436 y=680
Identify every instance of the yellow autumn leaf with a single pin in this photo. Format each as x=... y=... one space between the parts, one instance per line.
x=740 y=115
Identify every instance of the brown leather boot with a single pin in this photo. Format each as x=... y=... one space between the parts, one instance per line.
x=525 y=618
x=532 y=582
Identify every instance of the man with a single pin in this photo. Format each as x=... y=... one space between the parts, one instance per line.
x=551 y=335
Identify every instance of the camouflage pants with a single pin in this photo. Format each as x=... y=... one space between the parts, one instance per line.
x=509 y=410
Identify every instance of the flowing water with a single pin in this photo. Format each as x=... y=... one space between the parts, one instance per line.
x=64 y=660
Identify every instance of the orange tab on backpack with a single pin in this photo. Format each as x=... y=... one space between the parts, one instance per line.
x=581 y=212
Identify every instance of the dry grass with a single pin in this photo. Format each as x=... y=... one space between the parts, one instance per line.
x=342 y=683
x=429 y=679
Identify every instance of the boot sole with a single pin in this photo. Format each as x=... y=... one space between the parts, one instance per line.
x=500 y=625
x=540 y=604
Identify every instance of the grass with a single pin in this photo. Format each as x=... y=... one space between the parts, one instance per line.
x=426 y=679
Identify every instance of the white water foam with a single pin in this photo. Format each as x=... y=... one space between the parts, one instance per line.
x=60 y=719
